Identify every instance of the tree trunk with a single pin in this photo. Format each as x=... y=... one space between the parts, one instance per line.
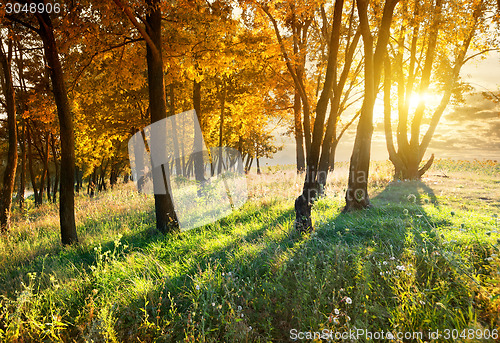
x=198 y=137
x=67 y=191
x=30 y=165
x=311 y=187
x=22 y=179
x=77 y=177
x=46 y=172
x=357 y=189
x=166 y=218
x=221 y=127
x=175 y=138
x=57 y=171
x=9 y=177
x=299 y=136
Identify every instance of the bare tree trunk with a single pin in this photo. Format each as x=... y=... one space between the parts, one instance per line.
x=9 y=177
x=67 y=192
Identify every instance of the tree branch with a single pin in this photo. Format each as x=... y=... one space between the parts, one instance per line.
x=14 y=19
x=144 y=34
x=97 y=53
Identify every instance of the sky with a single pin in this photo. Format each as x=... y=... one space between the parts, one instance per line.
x=467 y=131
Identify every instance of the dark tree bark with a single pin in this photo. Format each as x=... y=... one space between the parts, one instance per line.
x=9 y=177
x=65 y=115
x=166 y=218
x=357 y=189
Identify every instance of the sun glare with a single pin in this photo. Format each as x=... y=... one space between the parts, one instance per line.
x=429 y=99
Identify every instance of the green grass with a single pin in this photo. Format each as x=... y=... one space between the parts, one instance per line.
x=424 y=258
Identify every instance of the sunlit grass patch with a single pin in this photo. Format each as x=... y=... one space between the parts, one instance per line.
x=416 y=261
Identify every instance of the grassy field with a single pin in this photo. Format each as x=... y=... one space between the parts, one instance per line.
x=425 y=258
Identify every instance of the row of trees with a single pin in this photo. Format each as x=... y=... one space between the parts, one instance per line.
x=110 y=68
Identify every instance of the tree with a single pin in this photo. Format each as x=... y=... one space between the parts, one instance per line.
x=66 y=201
x=441 y=51
x=319 y=151
x=10 y=171
x=166 y=219
x=357 y=193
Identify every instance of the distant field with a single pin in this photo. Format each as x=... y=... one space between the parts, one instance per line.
x=425 y=258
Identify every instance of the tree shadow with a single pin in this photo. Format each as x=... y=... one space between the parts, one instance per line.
x=399 y=192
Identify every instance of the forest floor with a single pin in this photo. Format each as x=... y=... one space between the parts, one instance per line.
x=424 y=258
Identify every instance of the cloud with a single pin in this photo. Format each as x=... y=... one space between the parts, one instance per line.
x=477 y=108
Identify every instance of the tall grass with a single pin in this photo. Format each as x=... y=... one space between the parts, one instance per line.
x=414 y=262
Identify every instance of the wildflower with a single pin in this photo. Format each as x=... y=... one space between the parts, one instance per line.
x=336 y=311
x=335 y=321
x=412 y=198
x=250 y=328
x=384 y=263
x=422 y=302
x=229 y=274
x=494 y=255
x=198 y=287
x=239 y=308
x=213 y=304
x=405 y=212
x=242 y=315
x=400 y=267
x=381 y=273
x=348 y=300
x=392 y=258
x=489 y=259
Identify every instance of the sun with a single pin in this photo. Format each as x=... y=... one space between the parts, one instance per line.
x=430 y=100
